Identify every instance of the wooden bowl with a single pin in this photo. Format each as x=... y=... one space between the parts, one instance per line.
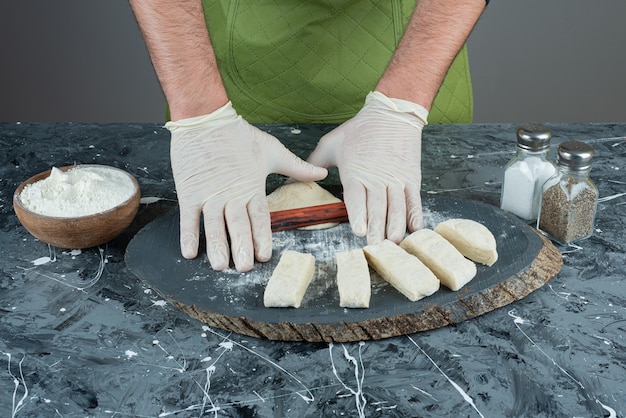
x=82 y=231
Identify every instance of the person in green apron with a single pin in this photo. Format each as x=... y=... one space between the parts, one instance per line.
x=380 y=69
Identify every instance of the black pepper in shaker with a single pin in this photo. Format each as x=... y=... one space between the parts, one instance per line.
x=569 y=198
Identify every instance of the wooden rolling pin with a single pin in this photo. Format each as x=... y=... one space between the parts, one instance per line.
x=312 y=215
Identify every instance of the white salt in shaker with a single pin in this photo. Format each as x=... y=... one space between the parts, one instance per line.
x=527 y=171
x=570 y=199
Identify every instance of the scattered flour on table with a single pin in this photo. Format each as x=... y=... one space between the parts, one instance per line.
x=80 y=191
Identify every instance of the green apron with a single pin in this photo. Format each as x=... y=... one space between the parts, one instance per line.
x=314 y=61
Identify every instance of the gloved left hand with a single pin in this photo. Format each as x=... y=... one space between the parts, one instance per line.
x=378 y=153
x=220 y=163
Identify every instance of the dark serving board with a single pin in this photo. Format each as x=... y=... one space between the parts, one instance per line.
x=233 y=301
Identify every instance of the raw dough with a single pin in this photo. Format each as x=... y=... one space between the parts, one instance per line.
x=471 y=238
x=301 y=195
x=353 y=279
x=289 y=280
x=405 y=272
x=448 y=264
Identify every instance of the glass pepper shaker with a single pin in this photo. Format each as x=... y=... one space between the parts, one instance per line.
x=527 y=171
x=569 y=199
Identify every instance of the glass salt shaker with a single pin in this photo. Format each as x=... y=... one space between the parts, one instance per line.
x=527 y=171
x=569 y=199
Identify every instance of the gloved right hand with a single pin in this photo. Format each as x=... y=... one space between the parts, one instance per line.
x=378 y=154
x=220 y=163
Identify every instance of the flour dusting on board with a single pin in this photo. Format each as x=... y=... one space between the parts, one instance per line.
x=238 y=285
x=433 y=218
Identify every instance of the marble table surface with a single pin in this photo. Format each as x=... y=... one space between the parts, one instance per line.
x=80 y=336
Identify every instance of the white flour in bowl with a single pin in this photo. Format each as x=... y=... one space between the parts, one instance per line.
x=80 y=191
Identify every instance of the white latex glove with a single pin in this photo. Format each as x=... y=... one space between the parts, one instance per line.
x=378 y=153
x=220 y=163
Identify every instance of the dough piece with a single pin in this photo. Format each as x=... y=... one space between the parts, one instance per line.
x=301 y=195
x=289 y=280
x=471 y=238
x=353 y=279
x=405 y=272
x=448 y=264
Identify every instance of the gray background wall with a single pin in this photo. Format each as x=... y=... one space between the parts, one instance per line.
x=531 y=60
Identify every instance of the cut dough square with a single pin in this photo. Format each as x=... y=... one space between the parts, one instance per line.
x=353 y=279
x=402 y=270
x=471 y=238
x=289 y=280
x=448 y=264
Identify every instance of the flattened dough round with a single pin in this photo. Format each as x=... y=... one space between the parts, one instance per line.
x=301 y=195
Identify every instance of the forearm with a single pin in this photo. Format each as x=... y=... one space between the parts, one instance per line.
x=180 y=48
x=435 y=34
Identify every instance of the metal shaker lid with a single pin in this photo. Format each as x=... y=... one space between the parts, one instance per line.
x=534 y=137
x=575 y=155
